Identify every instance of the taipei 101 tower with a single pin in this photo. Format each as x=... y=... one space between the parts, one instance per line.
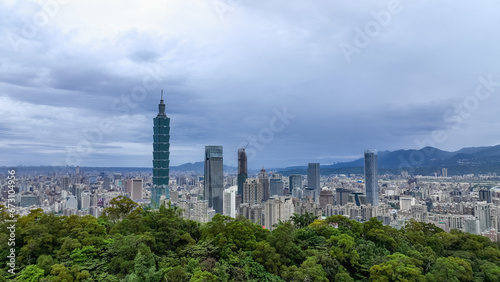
x=161 y=155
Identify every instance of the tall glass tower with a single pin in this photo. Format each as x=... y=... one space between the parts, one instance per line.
x=161 y=155
x=313 y=179
x=371 y=177
x=295 y=182
x=214 y=178
x=242 y=170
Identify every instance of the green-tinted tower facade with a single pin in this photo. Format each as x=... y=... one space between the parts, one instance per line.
x=161 y=155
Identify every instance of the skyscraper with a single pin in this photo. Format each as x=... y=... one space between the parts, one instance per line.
x=482 y=211
x=214 y=178
x=229 y=201
x=65 y=183
x=313 y=179
x=276 y=185
x=371 y=177
x=135 y=189
x=295 y=182
x=161 y=155
x=342 y=196
x=252 y=191
x=264 y=179
x=242 y=169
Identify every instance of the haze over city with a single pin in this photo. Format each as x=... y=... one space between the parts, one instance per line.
x=297 y=83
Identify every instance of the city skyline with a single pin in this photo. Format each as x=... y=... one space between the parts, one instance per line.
x=297 y=84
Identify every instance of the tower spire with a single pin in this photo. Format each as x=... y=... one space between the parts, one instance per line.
x=161 y=106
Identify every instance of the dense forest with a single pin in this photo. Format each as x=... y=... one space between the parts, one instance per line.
x=130 y=243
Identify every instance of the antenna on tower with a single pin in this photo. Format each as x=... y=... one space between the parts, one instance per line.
x=162 y=94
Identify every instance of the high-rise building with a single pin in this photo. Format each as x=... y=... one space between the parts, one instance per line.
x=313 y=180
x=294 y=182
x=65 y=183
x=358 y=199
x=371 y=177
x=71 y=202
x=242 y=169
x=200 y=211
x=342 y=196
x=325 y=198
x=277 y=209
x=264 y=179
x=253 y=193
x=185 y=209
x=472 y=225
x=106 y=183
x=485 y=195
x=229 y=201
x=444 y=172
x=405 y=203
x=298 y=193
x=214 y=178
x=161 y=155
x=134 y=187
x=79 y=191
x=85 y=200
x=252 y=212
x=276 y=185
x=482 y=212
x=93 y=200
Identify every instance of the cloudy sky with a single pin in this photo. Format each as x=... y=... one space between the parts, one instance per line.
x=293 y=81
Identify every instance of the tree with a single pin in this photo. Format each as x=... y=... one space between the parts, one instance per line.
x=344 y=224
x=31 y=273
x=267 y=256
x=145 y=266
x=83 y=255
x=282 y=240
x=60 y=273
x=301 y=221
x=45 y=262
x=203 y=276
x=370 y=254
x=309 y=270
x=450 y=269
x=201 y=250
x=382 y=238
x=343 y=277
x=120 y=207
x=176 y=274
x=343 y=250
x=398 y=268
x=491 y=271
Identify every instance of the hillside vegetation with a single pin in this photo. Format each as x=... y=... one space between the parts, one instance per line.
x=133 y=244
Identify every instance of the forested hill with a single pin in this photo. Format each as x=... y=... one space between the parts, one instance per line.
x=132 y=244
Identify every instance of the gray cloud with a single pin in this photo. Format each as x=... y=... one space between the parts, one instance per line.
x=223 y=78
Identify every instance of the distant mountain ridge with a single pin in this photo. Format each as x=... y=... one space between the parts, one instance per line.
x=423 y=161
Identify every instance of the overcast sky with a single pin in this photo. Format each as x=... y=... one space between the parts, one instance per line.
x=294 y=81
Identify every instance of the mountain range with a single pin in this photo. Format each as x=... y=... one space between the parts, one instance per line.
x=425 y=161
